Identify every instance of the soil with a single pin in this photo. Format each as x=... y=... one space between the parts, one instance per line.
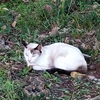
x=62 y=85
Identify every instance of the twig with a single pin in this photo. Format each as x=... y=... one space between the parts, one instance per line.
x=11 y=42
x=2 y=54
x=95 y=98
x=85 y=12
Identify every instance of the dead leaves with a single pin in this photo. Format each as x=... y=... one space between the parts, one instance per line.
x=87 y=42
x=3 y=44
x=91 y=33
x=15 y=20
x=77 y=75
x=94 y=98
x=3 y=27
x=3 y=1
x=85 y=46
x=36 y=87
x=15 y=16
x=5 y=9
x=48 y=8
x=54 y=29
x=26 y=1
x=96 y=44
x=92 y=41
x=67 y=40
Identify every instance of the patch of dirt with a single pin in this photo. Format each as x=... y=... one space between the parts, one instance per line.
x=34 y=82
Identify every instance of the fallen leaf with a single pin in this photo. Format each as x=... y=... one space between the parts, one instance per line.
x=3 y=44
x=14 y=24
x=92 y=32
x=41 y=36
x=15 y=20
x=25 y=1
x=54 y=29
x=48 y=8
x=15 y=68
x=94 y=6
x=85 y=46
x=96 y=45
x=77 y=74
x=4 y=1
x=2 y=54
x=13 y=13
x=78 y=40
x=92 y=67
x=94 y=98
x=87 y=96
x=3 y=27
x=54 y=0
x=64 y=31
x=71 y=22
x=5 y=9
x=28 y=90
x=67 y=40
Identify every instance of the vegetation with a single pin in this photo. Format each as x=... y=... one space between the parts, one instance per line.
x=20 y=20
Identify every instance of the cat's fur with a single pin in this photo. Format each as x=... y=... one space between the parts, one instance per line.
x=58 y=55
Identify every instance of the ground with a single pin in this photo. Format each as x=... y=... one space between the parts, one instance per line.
x=73 y=22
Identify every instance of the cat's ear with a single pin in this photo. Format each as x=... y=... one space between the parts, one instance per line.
x=39 y=47
x=24 y=43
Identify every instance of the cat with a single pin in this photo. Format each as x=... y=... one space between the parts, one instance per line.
x=59 y=56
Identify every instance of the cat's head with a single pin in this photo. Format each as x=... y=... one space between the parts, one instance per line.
x=32 y=51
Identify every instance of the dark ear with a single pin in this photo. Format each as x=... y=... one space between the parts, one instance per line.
x=39 y=47
x=24 y=43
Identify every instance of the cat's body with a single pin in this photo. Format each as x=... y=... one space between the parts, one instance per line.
x=58 y=55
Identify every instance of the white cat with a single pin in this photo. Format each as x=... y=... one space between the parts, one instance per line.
x=58 y=55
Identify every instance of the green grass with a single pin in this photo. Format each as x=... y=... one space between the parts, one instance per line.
x=77 y=15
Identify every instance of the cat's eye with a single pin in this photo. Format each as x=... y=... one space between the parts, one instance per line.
x=33 y=53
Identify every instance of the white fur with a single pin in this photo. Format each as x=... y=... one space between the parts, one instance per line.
x=28 y=55
x=58 y=55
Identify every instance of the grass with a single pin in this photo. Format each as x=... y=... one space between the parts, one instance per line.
x=79 y=16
